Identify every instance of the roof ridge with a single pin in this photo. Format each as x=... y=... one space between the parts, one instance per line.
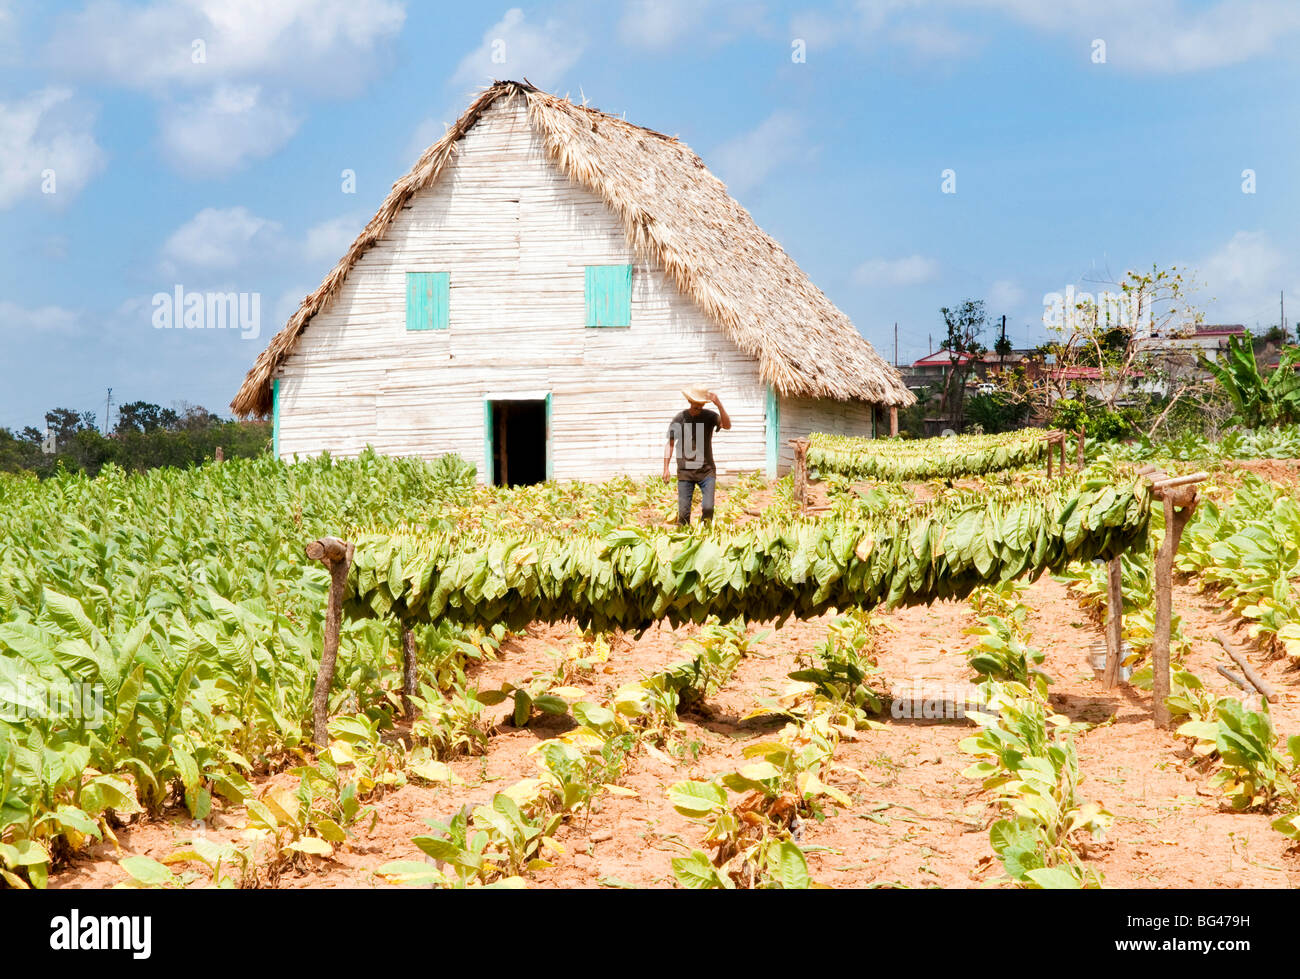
x=675 y=211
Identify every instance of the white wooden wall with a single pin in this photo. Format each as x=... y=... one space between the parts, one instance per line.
x=802 y=416
x=515 y=237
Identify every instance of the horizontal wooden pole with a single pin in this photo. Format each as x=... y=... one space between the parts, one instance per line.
x=1182 y=480
x=327 y=549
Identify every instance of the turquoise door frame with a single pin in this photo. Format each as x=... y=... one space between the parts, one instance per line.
x=772 y=424
x=550 y=459
x=275 y=417
x=487 y=443
x=488 y=433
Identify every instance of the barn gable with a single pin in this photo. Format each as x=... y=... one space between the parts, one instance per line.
x=672 y=212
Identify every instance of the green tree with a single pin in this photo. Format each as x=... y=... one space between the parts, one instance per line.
x=142 y=416
x=1257 y=398
x=1003 y=347
x=18 y=452
x=1000 y=411
x=64 y=423
x=965 y=324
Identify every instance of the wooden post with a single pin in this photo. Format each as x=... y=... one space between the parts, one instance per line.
x=1114 y=622
x=410 y=672
x=1061 y=444
x=801 y=473
x=218 y=456
x=893 y=421
x=1050 y=449
x=336 y=555
x=1081 y=452
x=1179 y=503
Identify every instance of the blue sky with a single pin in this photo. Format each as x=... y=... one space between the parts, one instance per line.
x=218 y=166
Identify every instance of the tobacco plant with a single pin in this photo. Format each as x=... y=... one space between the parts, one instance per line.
x=1028 y=760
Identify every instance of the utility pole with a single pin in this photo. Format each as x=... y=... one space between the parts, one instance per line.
x=895 y=344
x=1281 y=298
x=108 y=409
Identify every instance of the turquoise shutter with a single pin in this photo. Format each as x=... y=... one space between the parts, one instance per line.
x=609 y=295
x=427 y=300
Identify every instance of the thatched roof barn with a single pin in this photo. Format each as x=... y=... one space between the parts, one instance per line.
x=505 y=205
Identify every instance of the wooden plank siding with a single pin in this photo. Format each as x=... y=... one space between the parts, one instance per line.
x=801 y=417
x=515 y=238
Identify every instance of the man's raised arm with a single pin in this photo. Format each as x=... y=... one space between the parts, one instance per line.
x=724 y=420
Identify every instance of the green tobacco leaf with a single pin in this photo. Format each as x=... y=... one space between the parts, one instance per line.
x=146 y=871
x=792 y=867
x=696 y=872
x=696 y=798
x=1053 y=878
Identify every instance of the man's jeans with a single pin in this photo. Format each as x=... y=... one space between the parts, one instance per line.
x=686 y=496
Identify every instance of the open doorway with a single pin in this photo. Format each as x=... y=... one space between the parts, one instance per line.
x=518 y=438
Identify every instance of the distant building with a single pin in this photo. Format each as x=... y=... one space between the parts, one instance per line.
x=931 y=371
x=1207 y=339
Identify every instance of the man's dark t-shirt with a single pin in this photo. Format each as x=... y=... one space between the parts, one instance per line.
x=693 y=439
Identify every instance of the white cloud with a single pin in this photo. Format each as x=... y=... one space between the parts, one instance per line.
x=1165 y=35
x=916 y=26
x=659 y=24
x=1003 y=296
x=219 y=133
x=15 y=319
x=46 y=131
x=910 y=271
x=515 y=48
x=147 y=46
x=749 y=159
x=329 y=240
x=9 y=43
x=218 y=239
x=225 y=74
x=1159 y=36
x=1243 y=277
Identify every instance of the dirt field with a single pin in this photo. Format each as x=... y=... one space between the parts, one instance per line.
x=916 y=822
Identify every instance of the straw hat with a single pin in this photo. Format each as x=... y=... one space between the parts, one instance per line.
x=698 y=394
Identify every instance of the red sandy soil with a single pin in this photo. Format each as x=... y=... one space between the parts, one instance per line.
x=915 y=822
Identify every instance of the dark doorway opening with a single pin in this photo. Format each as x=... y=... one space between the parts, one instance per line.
x=518 y=442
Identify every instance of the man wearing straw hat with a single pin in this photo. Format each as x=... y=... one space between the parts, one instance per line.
x=691 y=431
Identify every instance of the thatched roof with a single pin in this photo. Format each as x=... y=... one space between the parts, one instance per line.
x=676 y=214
